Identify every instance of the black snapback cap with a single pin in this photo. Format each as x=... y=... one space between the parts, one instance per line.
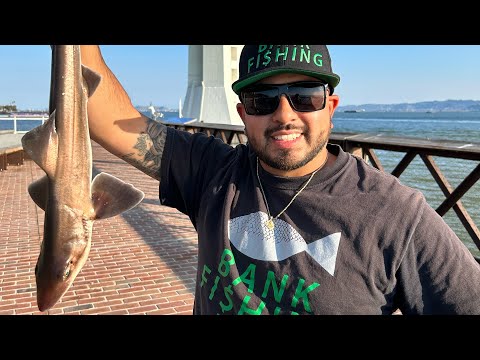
x=260 y=61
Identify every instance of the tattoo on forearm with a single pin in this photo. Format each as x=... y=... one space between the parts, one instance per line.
x=149 y=148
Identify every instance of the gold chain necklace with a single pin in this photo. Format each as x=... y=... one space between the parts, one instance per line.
x=269 y=223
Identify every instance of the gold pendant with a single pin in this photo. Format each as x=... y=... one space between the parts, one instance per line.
x=270 y=224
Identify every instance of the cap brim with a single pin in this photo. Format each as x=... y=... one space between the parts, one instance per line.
x=331 y=79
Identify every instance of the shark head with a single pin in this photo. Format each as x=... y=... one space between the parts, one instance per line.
x=57 y=268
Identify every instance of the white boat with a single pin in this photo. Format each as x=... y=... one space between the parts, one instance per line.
x=154 y=114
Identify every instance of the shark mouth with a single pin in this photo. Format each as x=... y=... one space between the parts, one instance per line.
x=252 y=238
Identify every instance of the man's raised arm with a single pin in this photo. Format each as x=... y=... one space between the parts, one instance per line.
x=116 y=125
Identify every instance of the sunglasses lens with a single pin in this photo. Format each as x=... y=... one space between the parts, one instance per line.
x=307 y=98
x=303 y=96
x=261 y=101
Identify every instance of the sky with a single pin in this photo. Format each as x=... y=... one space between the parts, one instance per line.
x=158 y=74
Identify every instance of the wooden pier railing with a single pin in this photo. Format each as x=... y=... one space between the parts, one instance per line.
x=364 y=145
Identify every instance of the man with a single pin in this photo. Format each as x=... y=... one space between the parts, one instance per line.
x=289 y=224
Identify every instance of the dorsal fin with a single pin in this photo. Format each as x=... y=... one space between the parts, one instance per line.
x=41 y=145
x=38 y=191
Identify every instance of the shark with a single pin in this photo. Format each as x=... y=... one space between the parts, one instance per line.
x=251 y=238
x=72 y=201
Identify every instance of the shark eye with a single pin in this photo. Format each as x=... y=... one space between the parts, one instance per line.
x=67 y=273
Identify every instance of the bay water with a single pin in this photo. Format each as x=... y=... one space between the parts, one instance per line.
x=460 y=126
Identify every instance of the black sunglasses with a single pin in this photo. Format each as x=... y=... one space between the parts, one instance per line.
x=303 y=96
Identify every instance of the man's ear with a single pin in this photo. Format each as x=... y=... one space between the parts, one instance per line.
x=241 y=112
x=333 y=101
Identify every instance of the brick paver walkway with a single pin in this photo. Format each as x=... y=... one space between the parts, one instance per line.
x=141 y=262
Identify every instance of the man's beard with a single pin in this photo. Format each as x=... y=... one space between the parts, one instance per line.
x=282 y=160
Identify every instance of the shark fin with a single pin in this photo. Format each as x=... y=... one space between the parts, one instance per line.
x=111 y=196
x=92 y=79
x=41 y=145
x=38 y=191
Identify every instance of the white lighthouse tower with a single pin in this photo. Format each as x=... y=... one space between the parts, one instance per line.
x=211 y=71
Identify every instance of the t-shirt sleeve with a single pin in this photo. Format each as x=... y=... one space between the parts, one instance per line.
x=438 y=274
x=189 y=162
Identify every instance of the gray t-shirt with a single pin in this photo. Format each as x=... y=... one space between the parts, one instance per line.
x=355 y=241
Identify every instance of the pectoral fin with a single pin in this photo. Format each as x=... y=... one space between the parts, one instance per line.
x=41 y=145
x=112 y=196
x=38 y=191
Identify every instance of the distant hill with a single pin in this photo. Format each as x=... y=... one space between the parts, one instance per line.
x=433 y=106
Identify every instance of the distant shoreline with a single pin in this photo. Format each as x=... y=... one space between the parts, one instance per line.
x=407 y=111
x=422 y=107
x=418 y=107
